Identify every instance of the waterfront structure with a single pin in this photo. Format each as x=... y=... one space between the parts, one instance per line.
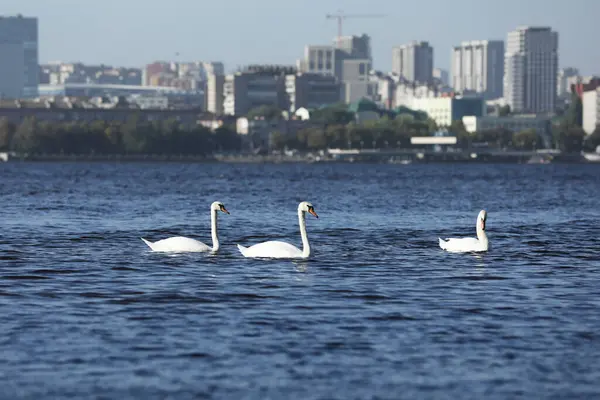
x=531 y=70
x=18 y=57
x=413 y=61
x=478 y=66
x=591 y=110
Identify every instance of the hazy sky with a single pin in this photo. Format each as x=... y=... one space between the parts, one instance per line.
x=237 y=32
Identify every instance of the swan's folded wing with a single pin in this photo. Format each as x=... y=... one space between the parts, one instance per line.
x=271 y=249
x=179 y=244
x=460 y=244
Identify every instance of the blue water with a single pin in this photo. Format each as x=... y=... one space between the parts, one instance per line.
x=378 y=312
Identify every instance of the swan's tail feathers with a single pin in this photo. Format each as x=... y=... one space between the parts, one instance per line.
x=148 y=243
x=442 y=243
x=242 y=249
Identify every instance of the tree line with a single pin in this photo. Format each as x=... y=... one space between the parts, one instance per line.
x=329 y=127
x=102 y=137
x=397 y=133
x=335 y=129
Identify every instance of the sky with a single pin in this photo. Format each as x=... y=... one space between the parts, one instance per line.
x=240 y=32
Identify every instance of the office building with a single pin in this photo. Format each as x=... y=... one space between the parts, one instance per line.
x=413 y=61
x=19 y=68
x=531 y=70
x=478 y=66
x=311 y=90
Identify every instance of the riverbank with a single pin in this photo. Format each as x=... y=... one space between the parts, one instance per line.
x=366 y=156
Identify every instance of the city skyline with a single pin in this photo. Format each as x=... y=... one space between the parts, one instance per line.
x=144 y=29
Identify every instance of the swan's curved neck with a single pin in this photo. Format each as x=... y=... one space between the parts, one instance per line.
x=305 y=244
x=481 y=235
x=213 y=230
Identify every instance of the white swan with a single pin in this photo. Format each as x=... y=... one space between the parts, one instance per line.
x=277 y=249
x=464 y=245
x=184 y=244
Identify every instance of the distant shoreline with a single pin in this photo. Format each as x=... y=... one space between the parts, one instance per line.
x=416 y=158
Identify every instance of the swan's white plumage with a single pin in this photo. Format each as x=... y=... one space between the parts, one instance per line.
x=279 y=249
x=464 y=245
x=184 y=244
x=178 y=244
x=272 y=249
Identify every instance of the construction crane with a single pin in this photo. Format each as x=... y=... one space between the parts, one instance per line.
x=340 y=16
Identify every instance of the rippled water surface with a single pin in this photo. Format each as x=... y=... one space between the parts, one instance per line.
x=379 y=311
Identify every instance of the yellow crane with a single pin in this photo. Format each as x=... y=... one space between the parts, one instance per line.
x=340 y=16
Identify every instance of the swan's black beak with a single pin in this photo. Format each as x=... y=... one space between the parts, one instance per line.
x=224 y=210
x=483 y=224
x=312 y=211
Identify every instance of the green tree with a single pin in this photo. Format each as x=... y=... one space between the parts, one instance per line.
x=269 y=112
x=573 y=141
x=504 y=111
x=227 y=139
x=574 y=114
x=25 y=139
x=7 y=131
x=497 y=137
x=525 y=140
x=335 y=114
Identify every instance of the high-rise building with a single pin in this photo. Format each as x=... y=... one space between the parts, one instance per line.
x=311 y=90
x=478 y=66
x=19 y=69
x=531 y=70
x=213 y=92
x=566 y=77
x=413 y=61
x=350 y=64
x=441 y=75
x=255 y=86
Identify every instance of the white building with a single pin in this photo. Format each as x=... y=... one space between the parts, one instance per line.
x=214 y=96
x=404 y=93
x=479 y=66
x=320 y=60
x=531 y=69
x=566 y=77
x=447 y=109
x=591 y=110
x=413 y=61
x=19 y=75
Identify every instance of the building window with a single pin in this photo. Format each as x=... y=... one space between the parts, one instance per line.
x=361 y=69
